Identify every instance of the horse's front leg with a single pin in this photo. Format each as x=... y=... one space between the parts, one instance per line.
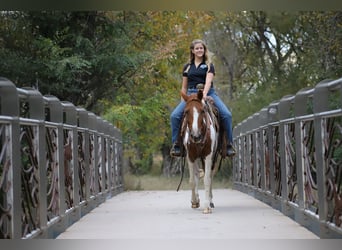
x=195 y=202
x=207 y=185
x=211 y=204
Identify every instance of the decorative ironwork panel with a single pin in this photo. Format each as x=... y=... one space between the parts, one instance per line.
x=29 y=179
x=251 y=159
x=99 y=163
x=92 y=163
x=105 y=162
x=52 y=165
x=310 y=171
x=290 y=151
x=238 y=161
x=333 y=162
x=117 y=165
x=119 y=170
x=68 y=168
x=245 y=159
x=81 y=166
x=113 y=159
x=276 y=163
x=267 y=161
x=5 y=183
x=258 y=153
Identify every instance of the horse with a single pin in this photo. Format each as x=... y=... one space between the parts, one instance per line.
x=199 y=133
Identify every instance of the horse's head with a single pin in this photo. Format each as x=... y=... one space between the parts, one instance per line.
x=195 y=116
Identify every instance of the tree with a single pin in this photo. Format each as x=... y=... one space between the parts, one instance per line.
x=154 y=89
x=266 y=55
x=77 y=56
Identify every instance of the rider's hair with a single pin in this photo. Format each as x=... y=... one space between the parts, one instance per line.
x=206 y=57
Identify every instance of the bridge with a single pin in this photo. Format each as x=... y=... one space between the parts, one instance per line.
x=61 y=174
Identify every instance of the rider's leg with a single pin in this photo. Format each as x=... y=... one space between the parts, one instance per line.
x=176 y=117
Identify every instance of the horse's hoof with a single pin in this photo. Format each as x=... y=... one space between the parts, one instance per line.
x=207 y=211
x=195 y=204
x=211 y=205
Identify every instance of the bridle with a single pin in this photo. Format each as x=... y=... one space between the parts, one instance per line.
x=204 y=131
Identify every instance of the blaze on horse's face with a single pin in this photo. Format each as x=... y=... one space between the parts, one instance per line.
x=195 y=116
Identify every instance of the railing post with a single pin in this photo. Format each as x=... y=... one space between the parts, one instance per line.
x=108 y=139
x=320 y=104
x=102 y=163
x=83 y=123
x=71 y=150
x=9 y=106
x=272 y=117
x=248 y=155
x=254 y=158
x=243 y=153
x=55 y=115
x=300 y=109
x=36 y=112
x=284 y=113
x=95 y=152
x=262 y=122
x=237 y=158
x=119 y=154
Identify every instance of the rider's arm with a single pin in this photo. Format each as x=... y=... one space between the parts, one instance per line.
x=185 y=85
x=207 y=86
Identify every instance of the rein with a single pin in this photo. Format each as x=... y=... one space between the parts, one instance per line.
x=182 y=169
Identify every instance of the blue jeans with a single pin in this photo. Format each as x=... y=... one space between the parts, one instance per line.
x=225 y=116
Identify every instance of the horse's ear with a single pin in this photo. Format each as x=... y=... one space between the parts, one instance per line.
x=184 y=96
x=200 y=94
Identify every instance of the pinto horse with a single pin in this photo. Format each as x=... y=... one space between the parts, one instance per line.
x=199 y=133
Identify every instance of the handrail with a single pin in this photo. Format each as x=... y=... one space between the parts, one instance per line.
x=289 y=155
x=57 y=163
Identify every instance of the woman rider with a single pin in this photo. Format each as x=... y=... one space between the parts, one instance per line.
x=200 y=70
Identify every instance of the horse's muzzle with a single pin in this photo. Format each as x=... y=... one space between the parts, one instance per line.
x=196 y=139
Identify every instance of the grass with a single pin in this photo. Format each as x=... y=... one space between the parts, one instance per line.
x=156 y=181
x=153 y=182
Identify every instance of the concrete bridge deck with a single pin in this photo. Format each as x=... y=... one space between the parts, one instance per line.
x=167 y=215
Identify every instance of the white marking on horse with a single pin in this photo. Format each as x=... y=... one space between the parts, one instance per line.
x=195 y=130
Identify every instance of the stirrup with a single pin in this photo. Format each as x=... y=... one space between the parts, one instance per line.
x=175 y=151
x=231 y=151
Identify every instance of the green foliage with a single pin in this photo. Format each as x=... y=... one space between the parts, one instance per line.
x=126 y=65
x=142 y=129
x=77 y=56
x=263 y=56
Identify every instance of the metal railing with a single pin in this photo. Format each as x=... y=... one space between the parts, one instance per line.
x=57 y=163
x=289 y=155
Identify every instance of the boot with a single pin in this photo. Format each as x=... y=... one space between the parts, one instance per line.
x=175 y=150
x=230 y=151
